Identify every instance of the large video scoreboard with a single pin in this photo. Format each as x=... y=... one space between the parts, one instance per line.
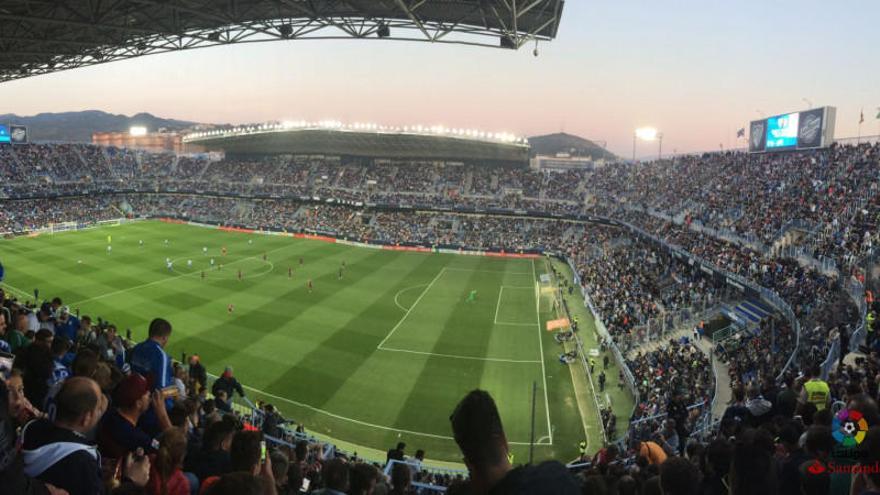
x=13 y=134
x=808 y=129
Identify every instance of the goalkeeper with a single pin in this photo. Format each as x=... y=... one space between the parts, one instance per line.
x=472 y=296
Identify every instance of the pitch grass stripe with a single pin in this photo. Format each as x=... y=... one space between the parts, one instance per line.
x=160 y=281
x=541 y=348
x=357 y=421
x=456 y=356
x=431 y=284
x=239 y=332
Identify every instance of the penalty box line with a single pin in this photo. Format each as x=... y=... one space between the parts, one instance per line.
x=364 y=423
x=498 y=307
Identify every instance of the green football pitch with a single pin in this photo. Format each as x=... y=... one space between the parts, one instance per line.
x=377 y=356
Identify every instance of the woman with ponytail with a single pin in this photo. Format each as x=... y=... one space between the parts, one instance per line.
x=166 y=476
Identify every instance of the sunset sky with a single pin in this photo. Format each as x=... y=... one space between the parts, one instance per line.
x=696 y=70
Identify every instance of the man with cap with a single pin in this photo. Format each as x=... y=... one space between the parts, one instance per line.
x=228 y=384
x=119 y=433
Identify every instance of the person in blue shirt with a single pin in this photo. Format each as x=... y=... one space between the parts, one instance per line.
x=149 y=358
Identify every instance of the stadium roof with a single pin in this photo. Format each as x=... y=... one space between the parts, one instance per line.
x=42 y=36
x=366 y=140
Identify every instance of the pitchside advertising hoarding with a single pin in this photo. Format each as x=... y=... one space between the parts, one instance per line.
x=808 y=129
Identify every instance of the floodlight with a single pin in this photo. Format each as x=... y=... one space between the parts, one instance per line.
x=646 y=133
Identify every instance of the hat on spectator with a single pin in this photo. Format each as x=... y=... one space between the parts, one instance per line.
x=130 y=390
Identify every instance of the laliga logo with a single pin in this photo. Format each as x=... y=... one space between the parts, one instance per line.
x=849 y=427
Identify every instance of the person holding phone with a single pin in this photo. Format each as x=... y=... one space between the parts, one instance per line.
x=248 y=454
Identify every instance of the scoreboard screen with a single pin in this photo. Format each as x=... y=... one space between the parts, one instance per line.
x=782 y=131
x=4 y=135
x=797 y=130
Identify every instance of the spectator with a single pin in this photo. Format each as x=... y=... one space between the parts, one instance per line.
x=227 y=383
x=149 y=358
x=396 y=453
x=12 y=477
x=58 y=452
x=280 y=468
x=213 y=458
x=37 y=363
x=476 y=426
x=121 y=430
x=239 y=483
x=363 y=479
x=166 y=476
x=678 y=476
x=244 y=456
x=197 y=373
x=401 y=480
x=335 y=478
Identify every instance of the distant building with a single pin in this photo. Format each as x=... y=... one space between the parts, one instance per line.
x=148 y=141
x=562 y=162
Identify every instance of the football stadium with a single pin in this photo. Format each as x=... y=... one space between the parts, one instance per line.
x=313 y=305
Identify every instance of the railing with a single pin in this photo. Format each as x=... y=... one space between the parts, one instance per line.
x=416 y=467
x=659 y=327
x=859 y=140
x=605 y=337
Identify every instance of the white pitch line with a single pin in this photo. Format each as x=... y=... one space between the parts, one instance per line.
x=498 y=304
x=156 y=282
x=16 y=289
x=401 y=291
x=455 y=269
x=541 y=348
x=458 y=356
x=359 y=422
x=405 y=315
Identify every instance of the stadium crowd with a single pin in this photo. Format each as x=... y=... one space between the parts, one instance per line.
x=730 y=210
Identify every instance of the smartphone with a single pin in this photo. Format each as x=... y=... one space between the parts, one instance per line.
x=263 y=451
x=305 y=486
x=170 y=391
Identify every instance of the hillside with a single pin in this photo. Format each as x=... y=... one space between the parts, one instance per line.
x=560 y=142
x=79 y=126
